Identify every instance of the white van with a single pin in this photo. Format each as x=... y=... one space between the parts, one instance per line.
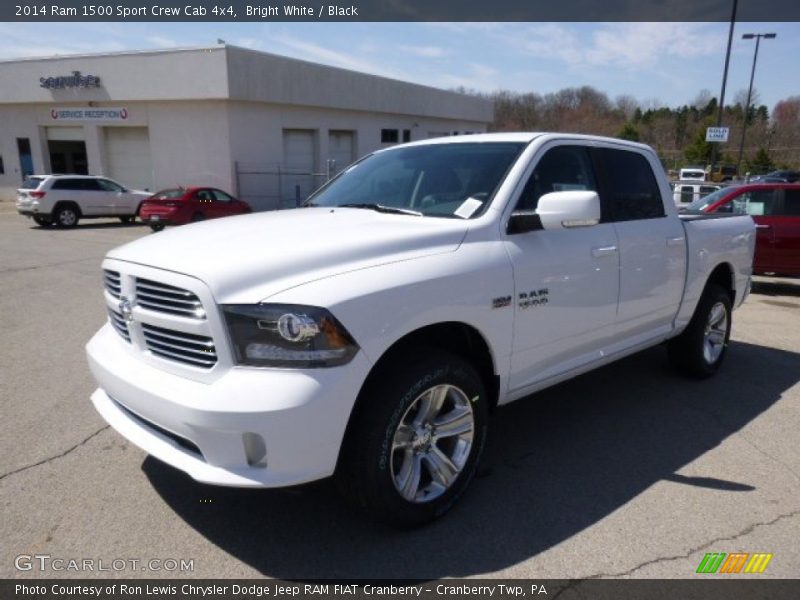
x=685 y=192
x=692 y=174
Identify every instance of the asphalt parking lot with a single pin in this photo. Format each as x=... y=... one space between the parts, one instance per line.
x=627 y=471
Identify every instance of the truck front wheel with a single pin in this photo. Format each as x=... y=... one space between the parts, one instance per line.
x=699 y=350
x=416 y=440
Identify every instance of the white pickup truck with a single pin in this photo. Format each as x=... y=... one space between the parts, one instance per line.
x=370 y=334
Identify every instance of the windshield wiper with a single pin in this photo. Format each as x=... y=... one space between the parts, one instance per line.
x=384 y=209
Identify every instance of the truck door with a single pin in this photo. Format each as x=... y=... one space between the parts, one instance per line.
x=761 y=203
x=786 y=234
x=652 y=245
x=566 y=281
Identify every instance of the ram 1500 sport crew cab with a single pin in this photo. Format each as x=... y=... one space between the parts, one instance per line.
x=369 y=334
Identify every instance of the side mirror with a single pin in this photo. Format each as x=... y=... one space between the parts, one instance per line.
x=564 y=210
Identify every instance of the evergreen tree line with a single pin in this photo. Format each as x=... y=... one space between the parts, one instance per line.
x=677 y=134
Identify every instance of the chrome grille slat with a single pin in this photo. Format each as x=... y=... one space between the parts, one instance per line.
x=166 y=308
x=169 y=299
x=119 y=324
x=166 y=346
x=207 y=351
x=182 y=357
x=193 y=303
x=178 y=336
x=161 y=287
x=196 y=350
x=112 y=283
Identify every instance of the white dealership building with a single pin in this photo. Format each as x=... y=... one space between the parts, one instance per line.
x=264 y=127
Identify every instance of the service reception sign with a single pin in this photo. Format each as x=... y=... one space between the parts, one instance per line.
x=89 y=114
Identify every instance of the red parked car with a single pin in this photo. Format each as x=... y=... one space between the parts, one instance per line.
x=184 y=205
x=775 y=207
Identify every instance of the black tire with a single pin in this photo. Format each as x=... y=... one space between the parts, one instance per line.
x=156 y=227
x=126 y=220
x=42 y=221
x=694 y=352
x=66 y=215
x=198 y=217
x=371 y=466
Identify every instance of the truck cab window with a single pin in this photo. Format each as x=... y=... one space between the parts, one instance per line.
x=561 y=169
x=630 y=190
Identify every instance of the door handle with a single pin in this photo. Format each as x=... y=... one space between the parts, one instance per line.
x=761 y=226
x=675 y=241
x=604 y=251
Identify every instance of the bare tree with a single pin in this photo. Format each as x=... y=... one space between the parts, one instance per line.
x=702 y=99
x=627 y=105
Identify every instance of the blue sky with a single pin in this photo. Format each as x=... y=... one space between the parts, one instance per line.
x=657 y=63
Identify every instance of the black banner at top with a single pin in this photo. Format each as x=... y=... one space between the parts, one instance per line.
x=398 y=10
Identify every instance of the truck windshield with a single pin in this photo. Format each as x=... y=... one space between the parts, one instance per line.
x=455 y=180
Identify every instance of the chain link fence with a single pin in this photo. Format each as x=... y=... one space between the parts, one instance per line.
x=267 y=187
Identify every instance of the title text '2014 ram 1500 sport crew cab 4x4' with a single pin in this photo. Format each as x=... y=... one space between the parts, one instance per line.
x=369 y=334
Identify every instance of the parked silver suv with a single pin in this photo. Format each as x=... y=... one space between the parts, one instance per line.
x=65 y=199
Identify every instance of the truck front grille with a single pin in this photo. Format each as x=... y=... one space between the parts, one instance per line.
x=195 y=350
x=112 y=283
x=169 y=299
x=119 y=324
x=164 y=322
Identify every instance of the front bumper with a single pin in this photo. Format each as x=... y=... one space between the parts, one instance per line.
x=297 y=416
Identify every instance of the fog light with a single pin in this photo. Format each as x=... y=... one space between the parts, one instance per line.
x=255 y=450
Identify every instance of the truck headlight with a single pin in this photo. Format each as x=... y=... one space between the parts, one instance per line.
x=285 y=335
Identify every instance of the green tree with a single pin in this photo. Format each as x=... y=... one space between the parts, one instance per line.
x=762 y=163
x=629 y=132
x=699 y=150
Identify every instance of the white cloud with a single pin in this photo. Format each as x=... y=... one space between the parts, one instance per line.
x=476 y=77
x=643 y=45
x=630 y=46
x=549 y=40
x=425 y=51
x=160 y=41
x=316 y=53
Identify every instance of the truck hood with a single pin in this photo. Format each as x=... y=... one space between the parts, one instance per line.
x=246 y=259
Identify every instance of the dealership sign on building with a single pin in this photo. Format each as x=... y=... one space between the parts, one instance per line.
x=717 y=134
x=89 y=114
x=74 y=80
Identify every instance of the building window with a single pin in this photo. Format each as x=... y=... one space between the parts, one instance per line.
x=390 y=136
x=406 y=135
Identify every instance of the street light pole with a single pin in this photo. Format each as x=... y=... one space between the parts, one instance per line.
x=750 y=36
x=721 y=105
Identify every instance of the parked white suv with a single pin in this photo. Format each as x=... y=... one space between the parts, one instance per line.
x=370 y=334
x=63 y=200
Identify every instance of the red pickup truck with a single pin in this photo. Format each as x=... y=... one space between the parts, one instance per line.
x=775 y=207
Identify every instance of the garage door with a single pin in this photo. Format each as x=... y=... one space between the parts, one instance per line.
x=341 y=149
x=65 y=134
x=128 y=156
x=299 y=163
